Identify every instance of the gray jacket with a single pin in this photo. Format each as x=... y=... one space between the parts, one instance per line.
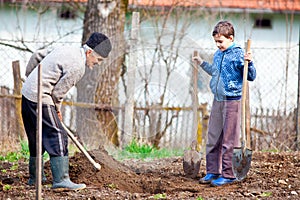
x=62 y=68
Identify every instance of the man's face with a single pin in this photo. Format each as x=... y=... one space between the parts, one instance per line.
x=222 y=42
x=92 y=59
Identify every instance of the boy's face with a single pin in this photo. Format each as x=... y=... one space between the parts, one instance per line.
x=222 y=42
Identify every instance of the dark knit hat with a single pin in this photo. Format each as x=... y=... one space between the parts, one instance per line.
x=100 y=43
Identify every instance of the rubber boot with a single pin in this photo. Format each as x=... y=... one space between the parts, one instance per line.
x=60 y=173
x=208 y=178
x=32 y=171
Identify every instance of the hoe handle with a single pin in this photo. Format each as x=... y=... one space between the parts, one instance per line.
x=81 y=148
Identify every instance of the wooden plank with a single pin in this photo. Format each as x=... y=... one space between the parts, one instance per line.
x=127 y=134
x=298 y=107
x=38 y=171
x=17 y=92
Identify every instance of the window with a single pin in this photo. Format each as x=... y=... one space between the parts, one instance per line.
x=66 y=12
x=263 y=23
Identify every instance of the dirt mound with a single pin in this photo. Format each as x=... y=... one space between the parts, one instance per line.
x=113 y=174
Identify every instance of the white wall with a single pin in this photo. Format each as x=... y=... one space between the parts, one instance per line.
x=37 y=31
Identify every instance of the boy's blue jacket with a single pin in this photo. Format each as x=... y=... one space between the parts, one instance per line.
x=227 y=73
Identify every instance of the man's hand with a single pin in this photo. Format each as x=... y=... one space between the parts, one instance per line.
x=59 y=115
x=198 y=59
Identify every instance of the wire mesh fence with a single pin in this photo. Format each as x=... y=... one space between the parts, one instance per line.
x=273 y=100
x=277 y=80
x=163 y=91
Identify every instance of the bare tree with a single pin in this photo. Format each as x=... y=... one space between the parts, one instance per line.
x=100 y=84
x=163 y=50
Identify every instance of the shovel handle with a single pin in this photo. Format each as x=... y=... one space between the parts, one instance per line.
x=81 y=148
x=244 y=94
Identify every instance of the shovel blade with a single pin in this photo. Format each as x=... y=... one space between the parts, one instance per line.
x=241 y=162
x=191 y=163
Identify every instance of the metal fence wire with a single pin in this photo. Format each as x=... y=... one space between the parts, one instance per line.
x=273 y=100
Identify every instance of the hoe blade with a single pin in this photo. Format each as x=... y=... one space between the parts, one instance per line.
x=241 y=162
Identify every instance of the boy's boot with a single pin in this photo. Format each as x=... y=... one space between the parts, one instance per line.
x=208 y=178
x=32 y=171
x=60 y=173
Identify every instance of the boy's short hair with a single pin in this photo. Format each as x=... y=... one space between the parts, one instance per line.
x=224 y=28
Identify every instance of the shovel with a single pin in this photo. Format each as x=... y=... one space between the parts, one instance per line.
x=192 y=158
x=241 y=160
x=191 y=161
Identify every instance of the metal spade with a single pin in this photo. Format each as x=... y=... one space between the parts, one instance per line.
x=191 y=161
x=241 y=160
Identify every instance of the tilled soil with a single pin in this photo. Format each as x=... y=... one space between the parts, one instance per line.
x=271 y=176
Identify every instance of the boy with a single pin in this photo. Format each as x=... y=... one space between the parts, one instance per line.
x=62 y=68
x=226 y=85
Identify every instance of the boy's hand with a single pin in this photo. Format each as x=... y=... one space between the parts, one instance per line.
x=248 y=56
x=198 y=59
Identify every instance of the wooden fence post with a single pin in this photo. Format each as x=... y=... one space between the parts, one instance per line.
x=298 y=107
x=17 y=92
x=205 y=120
x=127 y=133
x=4 y=110
x=39 y=156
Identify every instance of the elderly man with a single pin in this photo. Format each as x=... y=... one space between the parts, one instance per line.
x=62 y=68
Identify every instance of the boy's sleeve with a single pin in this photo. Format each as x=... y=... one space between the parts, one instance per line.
x=206 y=67
x=251 y=72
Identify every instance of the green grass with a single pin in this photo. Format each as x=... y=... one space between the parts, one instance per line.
x=7 y=187
x=266 y=194
x=134 y=147
x=22 y=154
x=11 y=157
x=132 y=150
x=270 y=150
x=143 y=151
x=160 y=196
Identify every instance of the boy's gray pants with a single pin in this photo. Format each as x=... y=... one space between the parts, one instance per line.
x=223 y=136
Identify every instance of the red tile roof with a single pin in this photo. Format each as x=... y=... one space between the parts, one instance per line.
x=275 y=5
x=270 y=5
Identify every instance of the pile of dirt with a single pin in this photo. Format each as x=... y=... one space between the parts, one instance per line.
x=272 y=176
x=113 y=174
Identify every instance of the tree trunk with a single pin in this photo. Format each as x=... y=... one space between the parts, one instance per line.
x=100 y=85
